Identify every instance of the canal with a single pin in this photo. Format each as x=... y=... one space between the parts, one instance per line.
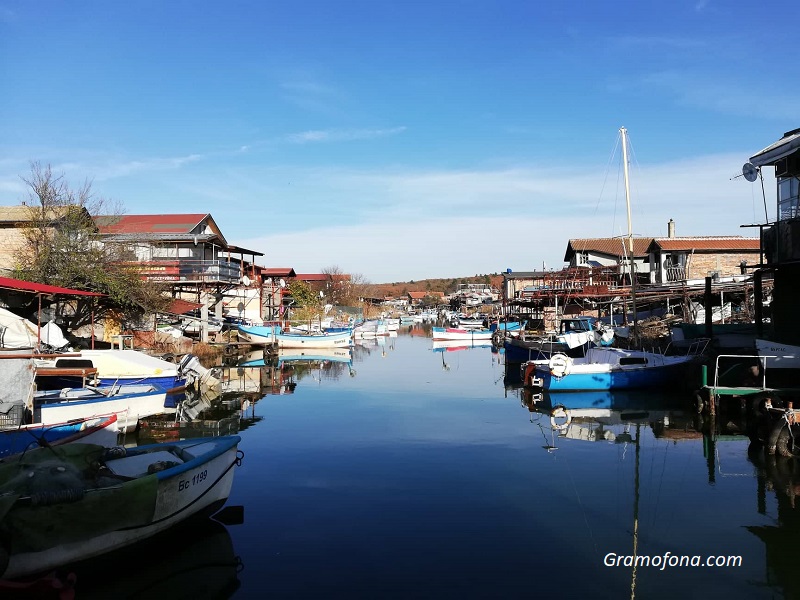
x=418 y=472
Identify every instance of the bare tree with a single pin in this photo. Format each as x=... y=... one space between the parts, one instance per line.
x=61 y=247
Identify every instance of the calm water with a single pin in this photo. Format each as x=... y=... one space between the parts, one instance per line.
x=415 y=473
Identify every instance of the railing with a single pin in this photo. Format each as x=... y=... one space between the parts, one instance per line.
x=189 y=270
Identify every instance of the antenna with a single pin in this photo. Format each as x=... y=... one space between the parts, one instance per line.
x=750 y=172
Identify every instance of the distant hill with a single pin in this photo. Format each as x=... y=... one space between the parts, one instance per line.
x=448 y=286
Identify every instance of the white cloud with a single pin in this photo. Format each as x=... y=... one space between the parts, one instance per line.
x=341 y=135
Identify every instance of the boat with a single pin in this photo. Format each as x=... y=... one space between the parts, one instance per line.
x=574 y=337
x=101 y=431
x=608 y=368
x=258 y=334
x=780 y=355
x=460 y=333
x=69 y=503
x=128 y=402
x=455 y=345
x=290 y=355
x=115 y=367
x=370 y=329
x=314 y=340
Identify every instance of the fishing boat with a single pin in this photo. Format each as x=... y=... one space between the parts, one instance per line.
x=69 y=503
x=460 y=333
x=128 y=402
x=314 y=340
x=574 y=337
x=781 y=356
x=116 y=367
x=258 y=334
x=606 y=368
x=91 y=430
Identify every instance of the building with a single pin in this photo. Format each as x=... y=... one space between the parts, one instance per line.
x=781 y=239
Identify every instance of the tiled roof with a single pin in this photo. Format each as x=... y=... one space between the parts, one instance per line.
x=709 y=243
x=312 y=276
x=149 y=223
x=611 y=246
x=278 y=272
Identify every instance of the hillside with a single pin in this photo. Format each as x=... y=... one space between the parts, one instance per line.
x=447 y=286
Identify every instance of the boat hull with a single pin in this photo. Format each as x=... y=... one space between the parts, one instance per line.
x=454 y=333
x=601 y=379
x=129 y=407
x=334 y=340
x=198 y=486
x=101 y=431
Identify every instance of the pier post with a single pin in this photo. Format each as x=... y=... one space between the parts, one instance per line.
x=709 y=309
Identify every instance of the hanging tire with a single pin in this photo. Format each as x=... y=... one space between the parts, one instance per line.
x=775 y=433
x=784 y=444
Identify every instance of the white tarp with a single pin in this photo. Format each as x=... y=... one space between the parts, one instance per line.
x=16 y=332
x=16 y=382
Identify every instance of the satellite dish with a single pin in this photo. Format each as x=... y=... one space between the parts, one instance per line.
x=240 y=307
x=750 y=171
x=246 y=280
x=282 y=283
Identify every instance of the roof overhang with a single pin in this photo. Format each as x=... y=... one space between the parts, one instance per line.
x=42 y=288
x=788 y=144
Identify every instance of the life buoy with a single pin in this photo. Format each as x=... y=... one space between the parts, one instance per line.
x=560 y=365
x=560 y=412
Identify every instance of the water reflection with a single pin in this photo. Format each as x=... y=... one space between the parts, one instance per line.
x=193 y=560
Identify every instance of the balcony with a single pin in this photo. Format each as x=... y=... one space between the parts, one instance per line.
x=190 y=270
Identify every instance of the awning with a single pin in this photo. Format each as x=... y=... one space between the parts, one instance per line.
x=41 y=288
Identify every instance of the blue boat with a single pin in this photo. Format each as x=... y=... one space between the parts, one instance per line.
x=259 y=334
x=605 y=368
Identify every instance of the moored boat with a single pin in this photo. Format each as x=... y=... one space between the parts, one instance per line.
x=64 y=504
x=459 y=333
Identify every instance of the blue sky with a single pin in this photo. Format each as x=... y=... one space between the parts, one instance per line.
x=405 y=139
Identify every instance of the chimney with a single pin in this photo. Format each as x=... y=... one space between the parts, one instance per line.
x=671 y=229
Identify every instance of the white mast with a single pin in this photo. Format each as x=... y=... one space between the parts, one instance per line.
x=623 y=132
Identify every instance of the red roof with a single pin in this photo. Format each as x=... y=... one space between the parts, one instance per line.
x=709 y=243
x=617 y=247
x=313 y=277
x=42 y=288
x=149 y=223
x=278 y=272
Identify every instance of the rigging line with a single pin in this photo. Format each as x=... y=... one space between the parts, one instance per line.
x=583 y=509
x=605 y=178
x=660 y=484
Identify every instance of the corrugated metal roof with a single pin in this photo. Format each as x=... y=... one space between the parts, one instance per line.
x=710 y=243
x=788 y=144
x=617 y=247
x=149 y=223
x=42 y=288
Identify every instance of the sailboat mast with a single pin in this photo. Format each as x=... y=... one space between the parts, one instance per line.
x=624 y=133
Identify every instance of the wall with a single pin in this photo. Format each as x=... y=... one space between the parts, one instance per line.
x=700 y=264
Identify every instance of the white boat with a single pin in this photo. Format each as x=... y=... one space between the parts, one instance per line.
x=121 y=367
x=69 y=503
x=129 y=402
x=778 y=355
x=371 y=329
x=258 y=334
x=320 y=340
x=459 y=333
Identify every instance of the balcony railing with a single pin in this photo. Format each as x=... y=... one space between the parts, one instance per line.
x=190 y=270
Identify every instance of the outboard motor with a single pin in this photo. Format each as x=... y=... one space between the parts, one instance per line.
x=197 y=375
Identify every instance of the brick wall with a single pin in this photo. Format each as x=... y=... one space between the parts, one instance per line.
x=699 y=265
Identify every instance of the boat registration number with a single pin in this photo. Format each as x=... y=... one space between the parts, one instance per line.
x=185 y=484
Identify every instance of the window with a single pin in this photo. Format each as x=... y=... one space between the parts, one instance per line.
x=788 y=198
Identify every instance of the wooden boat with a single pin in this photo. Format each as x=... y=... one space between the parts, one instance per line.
x=65 y=504
x=778 y=355
x=610 y=369
x=258 y=334
x=101 y=431
x=459 y=333
x=128 y=402
x=318 y=340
